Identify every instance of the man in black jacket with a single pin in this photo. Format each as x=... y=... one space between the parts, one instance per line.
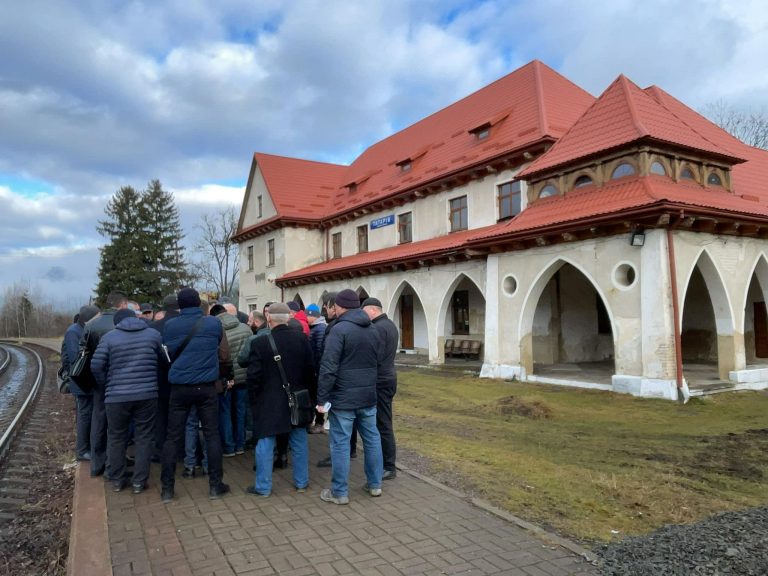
x=347 y=380
x=92 y=334
x=386 y=383
x=269 y=399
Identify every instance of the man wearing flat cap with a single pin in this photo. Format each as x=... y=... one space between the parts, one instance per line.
x=269 y=397
x=347 y=379
x=386 y=383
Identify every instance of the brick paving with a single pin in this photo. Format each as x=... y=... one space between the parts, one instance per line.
x=415 y=528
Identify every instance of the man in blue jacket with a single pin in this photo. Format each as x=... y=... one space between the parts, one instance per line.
x=126 y=365
x=347 y=379
x=199 y=357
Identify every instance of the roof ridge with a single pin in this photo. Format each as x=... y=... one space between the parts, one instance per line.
x=660 y=102
x=626 y=85
x=538 y=83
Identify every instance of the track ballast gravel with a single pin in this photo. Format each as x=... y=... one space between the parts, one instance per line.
x=732 y=543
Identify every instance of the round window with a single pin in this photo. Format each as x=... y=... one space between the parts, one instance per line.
x=624 y=275
x=509 y=285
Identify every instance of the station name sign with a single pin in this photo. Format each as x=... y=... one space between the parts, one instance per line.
x=383 y=221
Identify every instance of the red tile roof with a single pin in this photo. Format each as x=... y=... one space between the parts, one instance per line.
x=441 y=245
x=299 y=188
x=621 y=115
x=531 y=103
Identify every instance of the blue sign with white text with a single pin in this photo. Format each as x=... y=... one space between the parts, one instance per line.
x=383 y=221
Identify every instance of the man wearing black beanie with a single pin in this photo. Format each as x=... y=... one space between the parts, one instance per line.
x=199 y=356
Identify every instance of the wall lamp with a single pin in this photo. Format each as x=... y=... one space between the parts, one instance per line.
x=638 y=238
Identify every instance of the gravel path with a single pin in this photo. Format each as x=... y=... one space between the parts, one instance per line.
x=733 y=543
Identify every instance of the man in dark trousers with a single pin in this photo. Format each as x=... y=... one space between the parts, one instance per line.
x=347 y=380
x=126 y=364
x=169 y=309
x=269 y=399
x=92 y=334
x=386 y=383
x=199 y=357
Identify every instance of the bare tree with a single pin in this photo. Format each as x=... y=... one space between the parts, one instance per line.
x=750 y=127
x=217 y=261
x=23 y=313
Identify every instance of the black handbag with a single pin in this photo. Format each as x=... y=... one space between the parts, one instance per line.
x=299 y=402
x=80 y=371
x=62 y=379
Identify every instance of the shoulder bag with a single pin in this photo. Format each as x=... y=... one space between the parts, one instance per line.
x=80 y=371
x=299 y=402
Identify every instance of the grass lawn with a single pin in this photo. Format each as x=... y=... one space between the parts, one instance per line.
x=592 y=465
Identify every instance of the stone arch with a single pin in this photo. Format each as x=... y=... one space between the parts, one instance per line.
x=754 y=324
x=362 y=293
x=448 y=314
x=706 y=321
x=598 y=334
x=406 y=310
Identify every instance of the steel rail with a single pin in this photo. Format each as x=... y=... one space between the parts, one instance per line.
x=15 y=426
x=6 y=362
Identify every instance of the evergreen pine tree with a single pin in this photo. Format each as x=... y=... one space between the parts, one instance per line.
x=165 y=269
x=143 y=256
x=121 y=257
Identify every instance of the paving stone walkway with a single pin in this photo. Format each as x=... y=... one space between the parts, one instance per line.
x=414 y=528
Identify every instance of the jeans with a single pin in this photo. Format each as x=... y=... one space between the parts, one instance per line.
x=183 y=397
x=99 y=461
x=192 y=439
x=339 y=438
x=84 y=403
x=384 y=424
x=241 y=403
x=161 y=425
x=119 y=417
x=264 y=454
x=225 y=422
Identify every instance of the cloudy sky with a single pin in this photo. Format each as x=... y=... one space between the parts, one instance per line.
x=99 y=94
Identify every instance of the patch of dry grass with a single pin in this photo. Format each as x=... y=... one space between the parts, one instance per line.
x=592 y=465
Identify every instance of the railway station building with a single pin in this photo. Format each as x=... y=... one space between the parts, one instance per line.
x=617 y=242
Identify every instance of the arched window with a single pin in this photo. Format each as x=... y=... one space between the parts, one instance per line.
x=623 y=169
x=687 y=174
x=658 y=168
x=548 y=190
x=714 y=179
x=582 y=180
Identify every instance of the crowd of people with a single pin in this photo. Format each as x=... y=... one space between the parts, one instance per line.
x=162 y=379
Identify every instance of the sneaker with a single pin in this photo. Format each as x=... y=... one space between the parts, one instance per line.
x=240 y=451
x=139 y=488
x=188 y=473
x=228 y=454
x=324 y=463
x=118 y=485
x=216 y=492
x=327 y=496
x=374 y=492
x=252 y=491
x=166 y=495
x=302 y=489
x=389 y=475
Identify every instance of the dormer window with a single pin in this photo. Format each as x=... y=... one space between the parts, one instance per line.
x=687 y=174
x=548 y=190
x=481 y=132
x=352 y=187
x=622 y=170
x=406 y=166
x=714 y=179
x=583 y=180
x=658 y=168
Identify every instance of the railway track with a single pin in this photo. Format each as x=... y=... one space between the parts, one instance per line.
x=29 y=404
